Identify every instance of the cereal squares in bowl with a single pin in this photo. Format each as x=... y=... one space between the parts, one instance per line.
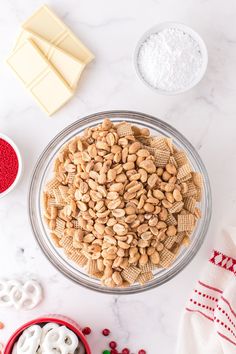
x=122 y=204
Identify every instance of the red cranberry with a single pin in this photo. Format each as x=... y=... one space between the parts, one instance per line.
x=114 y=351
x=142 y=351
x=86 y=331
x=106 y=332
x=125 y=351
x=112 y=345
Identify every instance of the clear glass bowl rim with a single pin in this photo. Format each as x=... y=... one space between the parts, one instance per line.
x=141 y=118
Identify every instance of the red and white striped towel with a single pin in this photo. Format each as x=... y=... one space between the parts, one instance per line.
x=208 y=325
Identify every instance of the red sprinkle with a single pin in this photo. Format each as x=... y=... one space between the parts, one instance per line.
x=8 y=165
x=106 y=332
x=86 y=331
x=125 y=351
x=112 y=345
x=142 y=351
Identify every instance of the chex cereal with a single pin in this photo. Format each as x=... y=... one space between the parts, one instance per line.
x=124 y=129
x=176 y=207
x=186 y=222
x=144 y=277
x=166 y=258
x=170 y=242
x=184 y=170
x=131 y=274
x=79 y=259
x=161 y=157
x=190 y=204
x=171 y=220
x=180 y=236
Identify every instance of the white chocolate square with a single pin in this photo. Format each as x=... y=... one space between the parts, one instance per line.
x=26 y=63
x=47 y=25
x=51 y=93
x=68 y=66
x=46 y=85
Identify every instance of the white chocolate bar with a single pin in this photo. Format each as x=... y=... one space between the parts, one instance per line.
x=67 y=65
x=48 y=26
x=46 y=85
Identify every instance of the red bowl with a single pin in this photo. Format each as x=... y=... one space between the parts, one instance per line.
x=59 y=319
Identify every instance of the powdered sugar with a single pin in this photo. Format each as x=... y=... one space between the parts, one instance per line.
x=170 y=60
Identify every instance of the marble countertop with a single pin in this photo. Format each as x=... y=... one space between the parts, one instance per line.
x=206 y=115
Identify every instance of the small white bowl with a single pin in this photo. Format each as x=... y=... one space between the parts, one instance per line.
x=186 y=29
x=20 y=165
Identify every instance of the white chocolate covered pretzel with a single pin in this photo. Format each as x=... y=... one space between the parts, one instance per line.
x=29 y=341
x=60 y=339
x=22 y=296
x=6 y=286
x=48 y=339
x=47 y=328
x=27 y=296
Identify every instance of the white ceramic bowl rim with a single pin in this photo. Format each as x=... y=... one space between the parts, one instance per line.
x=193 y=34
x=12 y=143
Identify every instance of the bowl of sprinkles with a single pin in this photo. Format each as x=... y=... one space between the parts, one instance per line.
x=10 y=165
x=170 y=58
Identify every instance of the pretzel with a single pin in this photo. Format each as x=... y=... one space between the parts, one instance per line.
x=60 y=339
x=5 y=290
x=47 y=328
x=29 y=341
x=26 y=296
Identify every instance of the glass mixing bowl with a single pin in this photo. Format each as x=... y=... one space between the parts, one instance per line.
x=43 y=172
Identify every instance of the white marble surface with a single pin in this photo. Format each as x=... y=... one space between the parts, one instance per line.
x=206 y=115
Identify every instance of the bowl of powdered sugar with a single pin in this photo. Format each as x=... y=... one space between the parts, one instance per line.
x=171 y=58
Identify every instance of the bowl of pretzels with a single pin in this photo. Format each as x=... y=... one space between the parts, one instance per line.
x=50 y=334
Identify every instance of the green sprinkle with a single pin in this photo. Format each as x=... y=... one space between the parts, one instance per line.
x=106 y=352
